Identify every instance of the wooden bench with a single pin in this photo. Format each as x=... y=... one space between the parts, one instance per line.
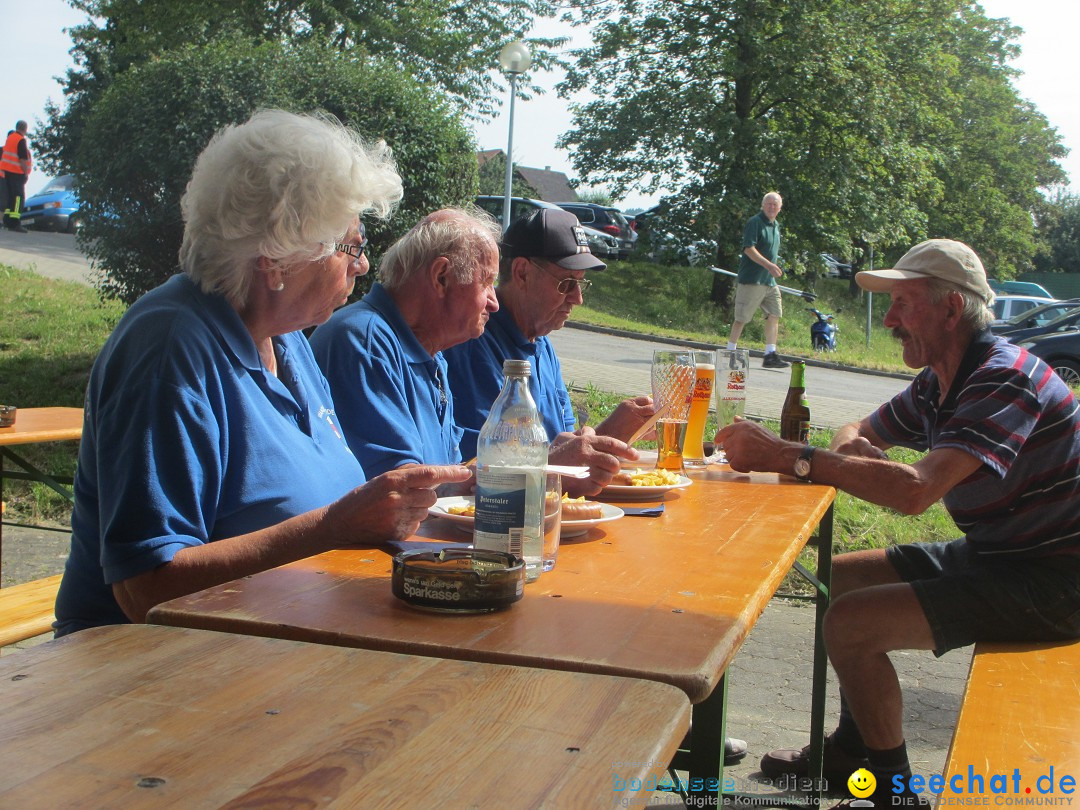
x=26 y=610
x=1021 y=714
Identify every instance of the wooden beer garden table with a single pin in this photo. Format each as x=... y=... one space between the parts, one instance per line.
x=667 y=599
x=32 y=426
x=142 y=716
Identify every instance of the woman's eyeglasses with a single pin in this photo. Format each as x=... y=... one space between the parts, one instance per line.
x=353 y=250
x=566 y=285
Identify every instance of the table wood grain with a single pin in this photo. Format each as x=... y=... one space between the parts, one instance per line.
x=43 y=425
x=669 y=599
x=143 y=716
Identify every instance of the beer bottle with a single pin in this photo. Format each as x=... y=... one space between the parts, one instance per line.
x=795 y=415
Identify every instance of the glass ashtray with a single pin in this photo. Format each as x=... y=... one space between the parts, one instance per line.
x=458 y=580
x=7 y=415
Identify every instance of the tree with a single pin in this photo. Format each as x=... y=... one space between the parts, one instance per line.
x=492 y=179
x=1059 y=232
x=144 y=134
x=853 y=111
x=449 y=46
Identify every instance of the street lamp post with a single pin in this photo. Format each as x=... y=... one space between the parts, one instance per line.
x=515 y=59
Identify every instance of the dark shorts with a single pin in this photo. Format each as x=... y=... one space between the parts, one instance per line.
x=968 y=598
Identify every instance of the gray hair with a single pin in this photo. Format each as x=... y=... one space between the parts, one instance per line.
x=280 y=186
x=465 y=236
x=976 y=313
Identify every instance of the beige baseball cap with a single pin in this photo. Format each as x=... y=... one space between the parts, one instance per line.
x=946 y=259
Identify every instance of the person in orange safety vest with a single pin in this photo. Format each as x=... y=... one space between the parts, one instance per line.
x=15 y=164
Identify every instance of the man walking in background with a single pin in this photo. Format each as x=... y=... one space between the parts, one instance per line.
x=15 y=165
x=758 y=272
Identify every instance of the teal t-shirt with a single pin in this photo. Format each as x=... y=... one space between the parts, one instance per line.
x=765 y=236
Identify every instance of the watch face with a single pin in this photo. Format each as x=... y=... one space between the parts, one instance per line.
x=802 y=467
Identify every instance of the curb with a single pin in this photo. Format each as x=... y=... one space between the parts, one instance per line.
x=692 y=344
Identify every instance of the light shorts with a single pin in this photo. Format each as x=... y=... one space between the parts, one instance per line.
x=748 y=297
x=968 y=597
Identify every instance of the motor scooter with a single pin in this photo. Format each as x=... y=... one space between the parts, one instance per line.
x=823 y=331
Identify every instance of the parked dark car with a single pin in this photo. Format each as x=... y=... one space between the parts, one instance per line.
x=1060 y=351
x=603 y=245
x=1035 y=317
x=55 y=207
x=1070 y=320
x=605 y=219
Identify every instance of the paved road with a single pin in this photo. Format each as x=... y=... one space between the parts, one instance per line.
x=621 y=364
x=53 y=255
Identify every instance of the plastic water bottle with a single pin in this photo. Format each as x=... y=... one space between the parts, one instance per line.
x=511 y=455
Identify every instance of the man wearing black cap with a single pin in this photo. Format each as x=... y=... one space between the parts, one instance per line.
x=541 y=279
x=1001 y=436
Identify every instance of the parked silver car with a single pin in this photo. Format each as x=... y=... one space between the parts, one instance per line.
x=601 y=244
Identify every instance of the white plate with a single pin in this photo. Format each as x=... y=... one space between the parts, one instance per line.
x=570 y=528
x=646 y=459
x=632 y=493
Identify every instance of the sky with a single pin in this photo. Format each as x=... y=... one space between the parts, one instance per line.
x=39 y=54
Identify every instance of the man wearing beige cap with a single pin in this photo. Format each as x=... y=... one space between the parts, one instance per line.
x=1002 y=439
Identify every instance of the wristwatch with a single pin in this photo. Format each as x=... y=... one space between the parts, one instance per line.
x=802 y=463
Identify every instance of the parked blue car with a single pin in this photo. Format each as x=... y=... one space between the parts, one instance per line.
x=55 y=207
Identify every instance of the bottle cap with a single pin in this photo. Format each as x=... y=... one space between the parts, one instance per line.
x=519 y=368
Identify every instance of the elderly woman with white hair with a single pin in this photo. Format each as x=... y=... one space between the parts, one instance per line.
x=210 y=447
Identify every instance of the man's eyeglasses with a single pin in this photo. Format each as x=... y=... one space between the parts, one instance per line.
x=353 y=250
x=566 y=285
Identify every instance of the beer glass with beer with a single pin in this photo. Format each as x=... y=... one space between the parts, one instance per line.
x=704 y=379
x=732 y=369
x=673 y=373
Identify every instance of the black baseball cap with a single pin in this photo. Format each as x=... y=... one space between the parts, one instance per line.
x=552 y=234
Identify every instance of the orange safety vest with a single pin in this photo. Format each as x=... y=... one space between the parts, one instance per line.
x=10 y=162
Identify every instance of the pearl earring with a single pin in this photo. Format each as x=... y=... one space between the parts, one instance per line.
x=280 y=286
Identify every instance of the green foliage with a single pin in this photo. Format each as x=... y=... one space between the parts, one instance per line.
x=491 y=179
x=49 y=336
x=595 y=196
x=145 y=132
x=1059 y=230
x=880 y=121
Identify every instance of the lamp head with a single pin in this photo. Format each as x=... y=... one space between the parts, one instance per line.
x=515 y=57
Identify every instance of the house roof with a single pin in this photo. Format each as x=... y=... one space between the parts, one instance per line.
x=550 y=186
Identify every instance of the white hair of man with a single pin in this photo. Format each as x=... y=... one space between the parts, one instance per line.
x=464 y=236
x=976 y=312
x=283 y=187
x=772 y=194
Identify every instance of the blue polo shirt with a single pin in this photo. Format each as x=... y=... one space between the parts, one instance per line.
x=187 y=439
x=1008 y=409
x=392 y=399
x=476 y=378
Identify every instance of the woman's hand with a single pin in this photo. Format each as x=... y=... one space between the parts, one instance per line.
x=392 y=505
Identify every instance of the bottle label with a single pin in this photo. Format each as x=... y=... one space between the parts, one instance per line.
x=502 y=501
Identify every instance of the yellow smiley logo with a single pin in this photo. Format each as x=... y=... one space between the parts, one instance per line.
x=861 y=783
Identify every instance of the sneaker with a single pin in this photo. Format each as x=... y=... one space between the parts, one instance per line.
x=734 y=749
x=838 y=766
x=773 y=360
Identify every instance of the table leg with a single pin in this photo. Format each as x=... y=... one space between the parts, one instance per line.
x=821 y=659
x=705 y=764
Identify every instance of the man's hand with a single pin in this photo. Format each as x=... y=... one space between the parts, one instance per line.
x=584 y=448
x=628 y=416
x=749 y=446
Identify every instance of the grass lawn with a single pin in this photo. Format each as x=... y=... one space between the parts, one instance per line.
x=52 y=331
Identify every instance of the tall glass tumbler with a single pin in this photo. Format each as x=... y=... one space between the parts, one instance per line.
x=732 y=370
x=673 y=374
x=701 y=399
